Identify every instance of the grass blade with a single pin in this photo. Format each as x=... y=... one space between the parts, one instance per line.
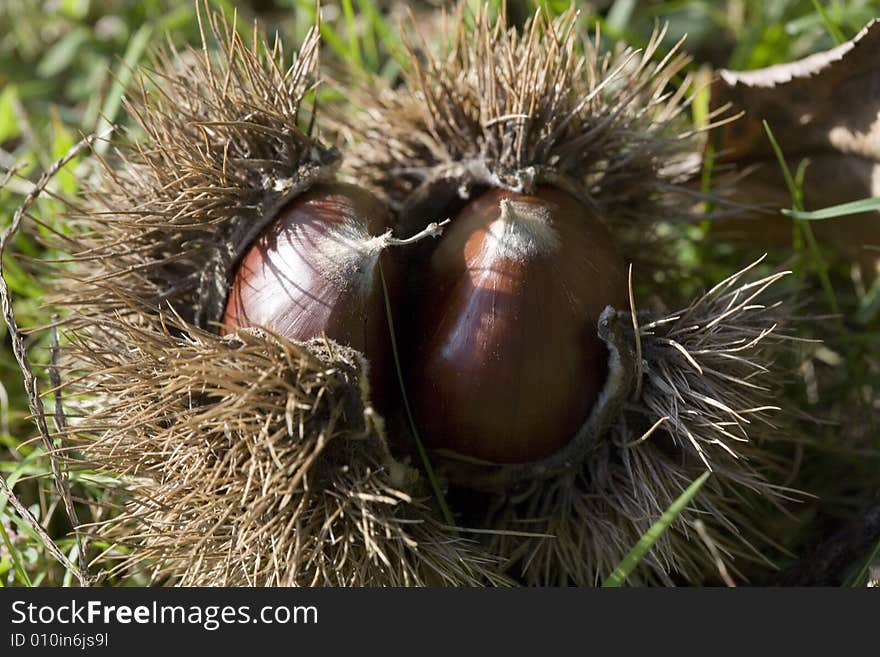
x=795 y=189
x=635 y=556
x=620 y=14
x=136 y=47
x=869 y=306
x=16 y=562
x=832 y=28
x=853 y=207
x=354 y=46
x=420 y=446
x=797 y=197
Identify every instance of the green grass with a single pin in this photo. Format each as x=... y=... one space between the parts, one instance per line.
x=795 y=184
x=640 y=550
x=841 y=210
x=62 y=70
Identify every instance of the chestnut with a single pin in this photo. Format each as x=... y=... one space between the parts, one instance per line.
x=509 y=362
x=314 y=271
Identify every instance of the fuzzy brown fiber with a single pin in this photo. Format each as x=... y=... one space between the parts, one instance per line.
x=222 y=148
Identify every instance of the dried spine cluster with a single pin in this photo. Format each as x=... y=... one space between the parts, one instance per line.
x=254 y=461
x=223 y=151
x=706 y=401
x=512 y=110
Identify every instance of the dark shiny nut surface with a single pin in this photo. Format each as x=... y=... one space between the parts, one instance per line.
x=509 y=363
x=314 y=271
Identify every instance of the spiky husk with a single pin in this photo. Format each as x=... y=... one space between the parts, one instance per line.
x=512 y=109
x=706 y=402
x=254 y=461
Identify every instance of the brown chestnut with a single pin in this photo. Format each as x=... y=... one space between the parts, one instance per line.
x=314 y=271
x=510 y=363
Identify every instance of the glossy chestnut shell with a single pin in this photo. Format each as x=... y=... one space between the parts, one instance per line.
x=315 y=271
x=509 y=363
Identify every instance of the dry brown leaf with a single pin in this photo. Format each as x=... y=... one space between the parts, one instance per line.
x=825 y=107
